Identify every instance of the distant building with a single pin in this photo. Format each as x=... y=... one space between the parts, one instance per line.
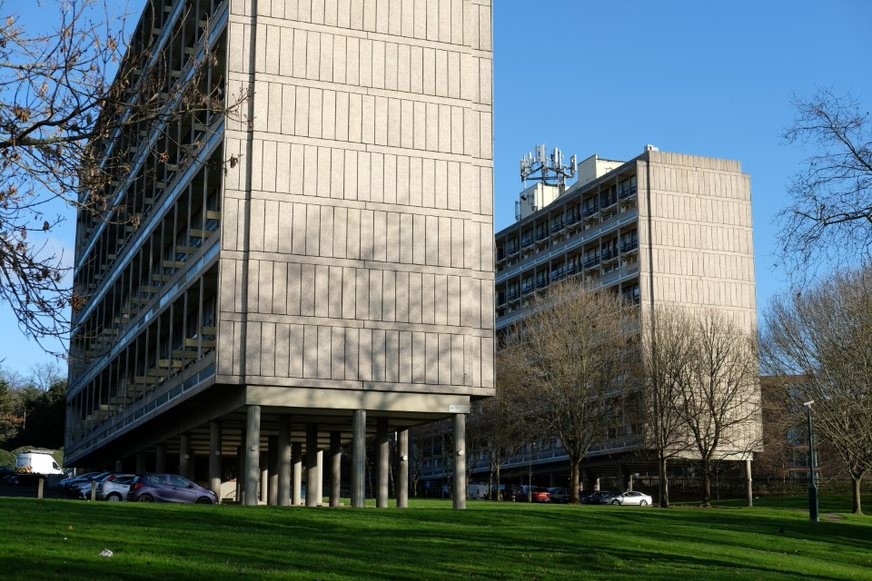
x=294 y=284
x=660 y=229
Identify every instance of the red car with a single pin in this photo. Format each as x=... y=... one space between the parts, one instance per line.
x=536 y=493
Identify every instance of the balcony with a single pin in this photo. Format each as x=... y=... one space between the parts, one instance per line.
x=591 y=262
x=589 y=211
x=628 y=192
x=630 y=246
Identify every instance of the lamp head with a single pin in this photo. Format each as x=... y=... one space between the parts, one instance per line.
x=808 y=403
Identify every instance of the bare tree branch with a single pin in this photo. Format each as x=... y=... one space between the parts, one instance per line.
x=830 y=216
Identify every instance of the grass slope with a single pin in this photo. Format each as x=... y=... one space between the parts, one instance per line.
x=64 y=539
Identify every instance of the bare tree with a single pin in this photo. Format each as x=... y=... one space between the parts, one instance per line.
x=502 y=425
x=830 y=216
x=571 y=354
x=719 y=401
x=74 y=103
x=667 y=351
x=824 y=335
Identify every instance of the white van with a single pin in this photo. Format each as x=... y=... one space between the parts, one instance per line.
x=33 y=462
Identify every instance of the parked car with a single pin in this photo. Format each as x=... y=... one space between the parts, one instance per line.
x=169 y=488
x=8 y=476
x=70 y=486
x=533 y=493
x=559 y=494
x=110 y=486
x=477 y=491
x=598 y=497
x=504 y=491
x=631 y=498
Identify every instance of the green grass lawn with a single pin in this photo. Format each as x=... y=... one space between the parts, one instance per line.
x=64 y=539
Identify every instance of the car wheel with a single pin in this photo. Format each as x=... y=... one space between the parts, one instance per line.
x=615 y=502
x=114 y=497
x=203 y=500
x=146 y=498
x=643 y=503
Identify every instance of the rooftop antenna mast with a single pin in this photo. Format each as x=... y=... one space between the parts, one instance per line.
x=547 y=169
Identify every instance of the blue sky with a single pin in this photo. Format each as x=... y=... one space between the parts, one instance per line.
x=695 y=77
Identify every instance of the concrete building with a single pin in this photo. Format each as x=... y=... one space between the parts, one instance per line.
x=661 y=229
x=313 y=271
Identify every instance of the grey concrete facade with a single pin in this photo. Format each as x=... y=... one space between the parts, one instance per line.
x=338 y=255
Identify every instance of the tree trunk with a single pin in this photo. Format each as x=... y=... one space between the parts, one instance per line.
x=574 y=472
x=498 y=491
x=856 y=499
x=706 y=482
x=663 y=484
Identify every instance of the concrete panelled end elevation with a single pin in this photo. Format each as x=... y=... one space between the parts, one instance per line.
x=316 y=269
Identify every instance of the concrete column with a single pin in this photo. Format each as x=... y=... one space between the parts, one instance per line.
x=627 y=478
x=284 y=457
x=240 y=470
x=403 y=469
x=320 y=472
x=215 y=458
x=383 y=449
x=264 y=479
x=297 y=474
x=252 y=455
x=312 y=492
x=335 y=468
x=119 y=466
x=273 y=467
x=459 y=461
x=358 y=459
x=185 y=455
x=160 y=459
x=749 y=482
x=140 y=463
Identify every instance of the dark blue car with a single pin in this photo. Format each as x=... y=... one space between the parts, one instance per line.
x=169 y=488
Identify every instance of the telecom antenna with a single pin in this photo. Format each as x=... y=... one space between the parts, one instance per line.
x=548 y=170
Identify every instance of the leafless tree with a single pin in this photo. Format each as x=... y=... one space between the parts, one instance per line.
x=824 y=335
x=830 y=216
x=502 y=427
x=719 y=401
x=73 y=103
x=667 y=351
x=572 y=355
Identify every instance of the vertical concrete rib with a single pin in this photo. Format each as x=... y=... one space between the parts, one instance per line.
x=252 y=454
x=459 y=461
x=215 y=457
x=312 y=492
x=403 y=469
x=140 y=463
x=383 y=452
x=284 y=453
x=358 y=459
x=335 y=468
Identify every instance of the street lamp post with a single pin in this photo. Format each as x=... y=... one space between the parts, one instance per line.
x=812 y=474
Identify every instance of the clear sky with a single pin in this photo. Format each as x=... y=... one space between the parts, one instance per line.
x=689 y=76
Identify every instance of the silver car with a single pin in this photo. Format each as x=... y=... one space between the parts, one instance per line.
x=111 y=487
x=632 y=498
